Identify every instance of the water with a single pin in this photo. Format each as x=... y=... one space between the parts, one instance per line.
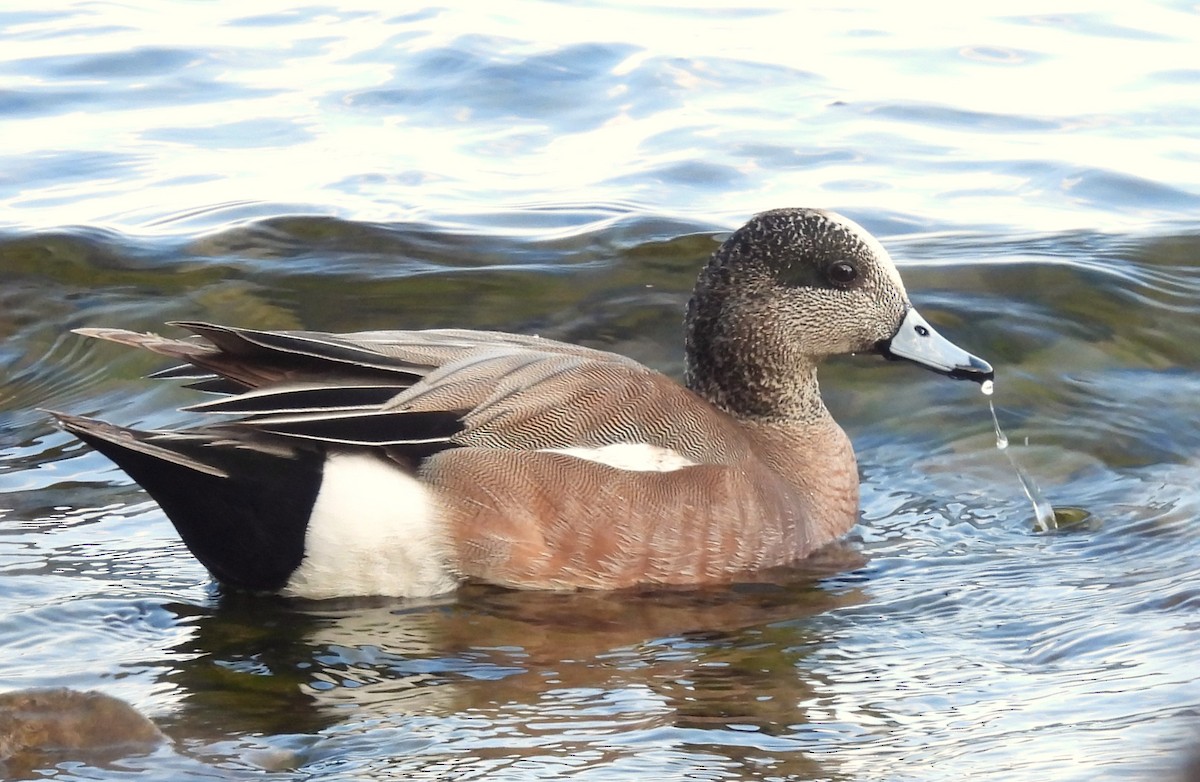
x=563 y=169
x=1043 y=511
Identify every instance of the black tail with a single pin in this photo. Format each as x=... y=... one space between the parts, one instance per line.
x=241 y=506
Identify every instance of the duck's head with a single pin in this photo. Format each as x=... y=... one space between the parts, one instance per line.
x=789 y=288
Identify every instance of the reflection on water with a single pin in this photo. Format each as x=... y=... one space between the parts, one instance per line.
x=564 y=169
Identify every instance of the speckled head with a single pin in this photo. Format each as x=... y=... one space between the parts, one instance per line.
x=784 y=291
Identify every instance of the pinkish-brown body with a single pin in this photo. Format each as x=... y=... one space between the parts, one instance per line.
x=511 y=522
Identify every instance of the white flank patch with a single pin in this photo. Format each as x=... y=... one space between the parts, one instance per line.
x=373 y=531
x=640 y=457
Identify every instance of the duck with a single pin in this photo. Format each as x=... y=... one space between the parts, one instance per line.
x=405 y=463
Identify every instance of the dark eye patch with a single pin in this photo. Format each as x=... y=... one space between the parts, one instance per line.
x=800 y=249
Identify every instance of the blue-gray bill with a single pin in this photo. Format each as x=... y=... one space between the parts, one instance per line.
x=916 y=341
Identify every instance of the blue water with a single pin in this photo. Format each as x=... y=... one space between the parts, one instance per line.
x=564 y=169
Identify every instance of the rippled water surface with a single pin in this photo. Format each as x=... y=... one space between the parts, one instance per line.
x=564 y=169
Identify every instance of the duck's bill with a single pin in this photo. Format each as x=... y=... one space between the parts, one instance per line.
x=916 y=341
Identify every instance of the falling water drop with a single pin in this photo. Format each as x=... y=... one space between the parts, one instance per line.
x=1042 y=509
x=1001 y=437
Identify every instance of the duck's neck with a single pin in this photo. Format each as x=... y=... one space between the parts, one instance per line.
x=754 y=382
x=743 y=354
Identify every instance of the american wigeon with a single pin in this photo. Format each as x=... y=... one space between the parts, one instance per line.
x=402 y=462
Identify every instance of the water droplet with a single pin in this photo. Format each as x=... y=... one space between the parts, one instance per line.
x=1043 y=511
x=1001 y=437
x=987 y=387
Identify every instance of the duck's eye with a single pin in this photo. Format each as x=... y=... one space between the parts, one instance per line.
x=842 y=273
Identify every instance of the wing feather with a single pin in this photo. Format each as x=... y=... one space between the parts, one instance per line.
x=439 y=388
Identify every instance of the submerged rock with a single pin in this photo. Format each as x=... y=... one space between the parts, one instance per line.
x=51 y=725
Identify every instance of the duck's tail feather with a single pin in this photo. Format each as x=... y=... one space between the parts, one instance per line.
x=244 y=359
x=241 y=505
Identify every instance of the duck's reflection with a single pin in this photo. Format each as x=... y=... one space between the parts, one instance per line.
x=533 y=662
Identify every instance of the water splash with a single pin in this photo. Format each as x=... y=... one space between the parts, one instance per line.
x=1042 y=509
